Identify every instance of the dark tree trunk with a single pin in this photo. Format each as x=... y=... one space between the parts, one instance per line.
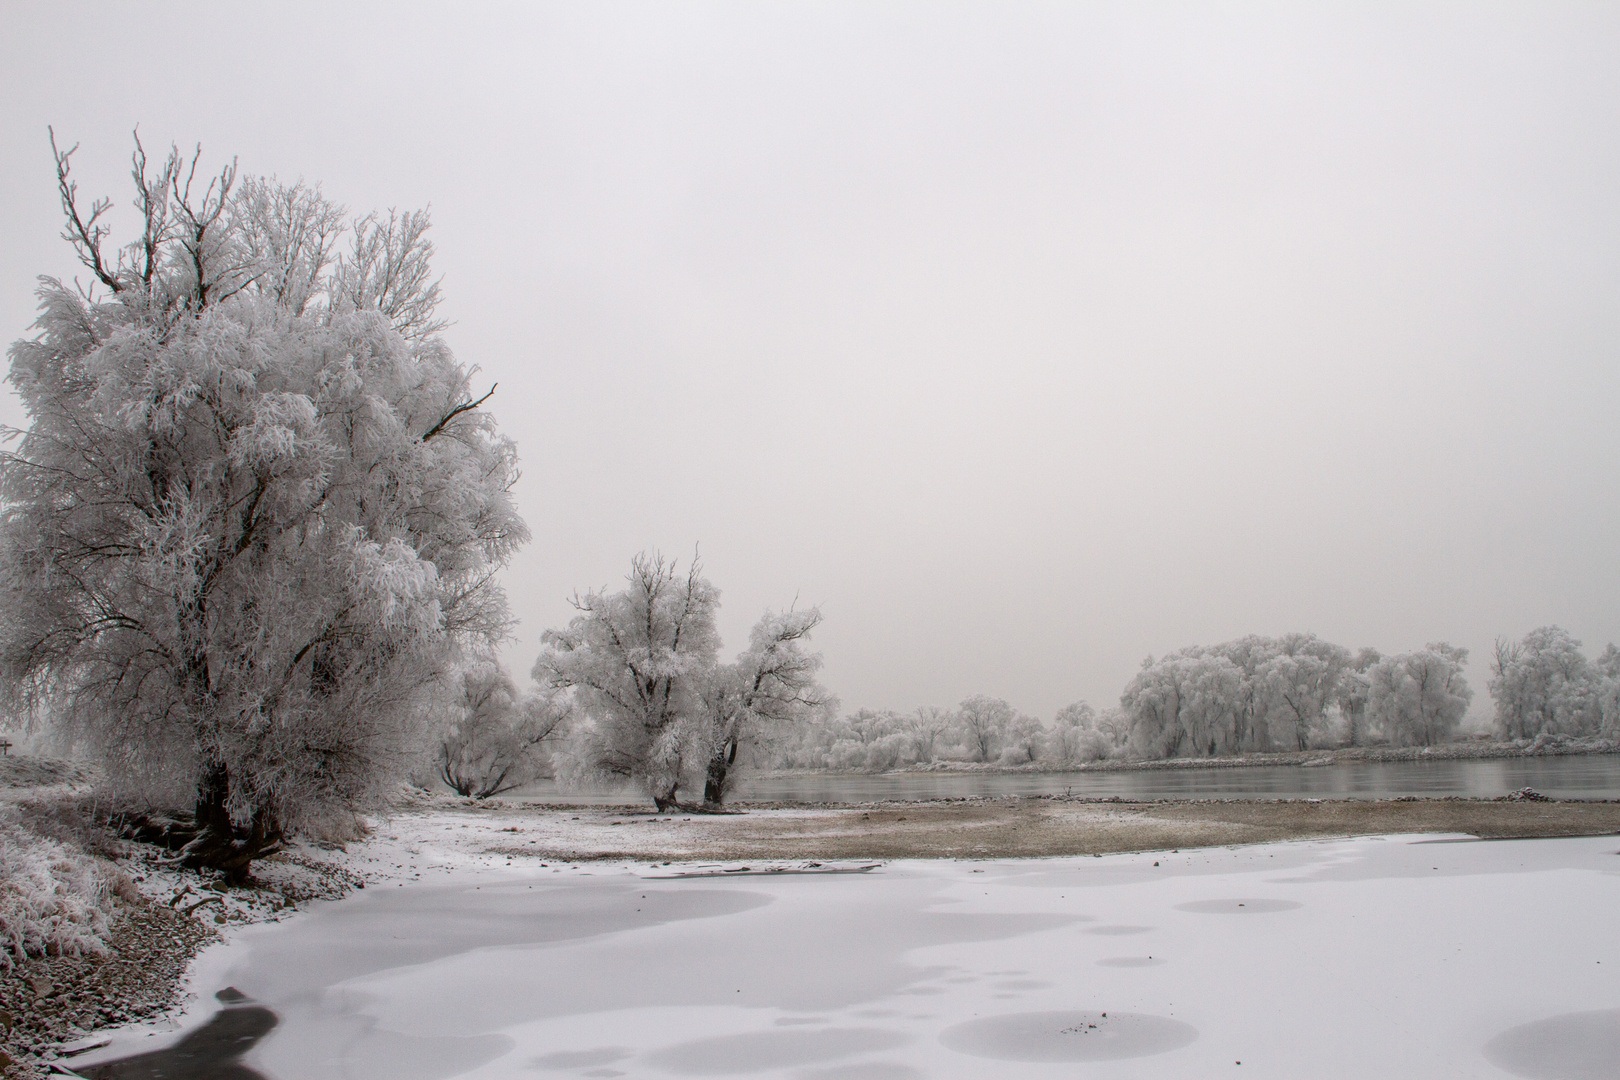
x=714 y=785
x=667 y=803
x=221 y=844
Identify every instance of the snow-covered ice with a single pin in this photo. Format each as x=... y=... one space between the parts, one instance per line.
x=1396 y=956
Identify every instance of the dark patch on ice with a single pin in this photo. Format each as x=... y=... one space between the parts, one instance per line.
x=1116 y=931
x=1130 y=961
x=1574 y=1046
x=580 y=1059
x=1243 y=905
x=1023 y=984
x=1068 y=1036
x=863 y=1070
x=757 y=1050
x=796 y=1021
x=602 y=1073
x=209 y=1052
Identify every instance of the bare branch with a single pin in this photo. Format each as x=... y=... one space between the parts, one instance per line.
x=84 y=234
x=457 y=411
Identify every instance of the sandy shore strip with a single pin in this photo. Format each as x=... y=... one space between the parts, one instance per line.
x=969 y=828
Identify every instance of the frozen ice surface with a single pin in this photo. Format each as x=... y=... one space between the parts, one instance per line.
x=1390 y=956
x=1575 y=1046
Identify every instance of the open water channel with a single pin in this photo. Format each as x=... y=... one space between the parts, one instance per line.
x=1587 y=776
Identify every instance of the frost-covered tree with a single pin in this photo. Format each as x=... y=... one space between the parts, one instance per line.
x=1419 y=698
x=257 y=512
x=1114 y=729
x=1543 y=684
x=1186 y=704
x=1608 y=669
x=1352 y=695
x=637 y=662
x=1297 y=686
x=1075 y=737
x=982 y=722
x=1251 y=716
x=1212 y=694
x=925 y=726
x=496 y=738
x=772 y=682
x=1152 y=701
x=1024 y=742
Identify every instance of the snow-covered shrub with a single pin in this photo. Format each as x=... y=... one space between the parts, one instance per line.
x=1075 y=745
x=847 y=755
x=52 y=897
x=889 y=752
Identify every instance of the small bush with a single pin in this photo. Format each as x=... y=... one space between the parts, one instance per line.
x=54 y=898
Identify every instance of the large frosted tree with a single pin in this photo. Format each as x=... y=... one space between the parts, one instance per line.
x=1419 y=698
x=982 y=723
x=1298 y=685
x=257 y=512
x=1543 y=684
x=657 y=707
x=637 y=662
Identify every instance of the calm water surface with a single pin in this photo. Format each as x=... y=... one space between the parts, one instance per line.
x=1593 y=776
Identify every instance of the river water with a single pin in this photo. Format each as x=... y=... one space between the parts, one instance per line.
x=1589 y=776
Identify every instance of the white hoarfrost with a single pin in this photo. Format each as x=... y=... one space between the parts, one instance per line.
x=257 y=516
x=51 y=896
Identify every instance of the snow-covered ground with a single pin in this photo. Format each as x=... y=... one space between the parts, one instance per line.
x=1397 y=956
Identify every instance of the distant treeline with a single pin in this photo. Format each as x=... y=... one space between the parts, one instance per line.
x=1254 y=694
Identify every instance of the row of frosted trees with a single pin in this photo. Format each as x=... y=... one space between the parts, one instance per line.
x=1253 y=694
x=1292 y=693
x=980 y=729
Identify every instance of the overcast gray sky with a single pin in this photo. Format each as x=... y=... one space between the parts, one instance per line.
x=1027 y=340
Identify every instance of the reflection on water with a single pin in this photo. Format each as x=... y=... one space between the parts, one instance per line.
x=1588 y=776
